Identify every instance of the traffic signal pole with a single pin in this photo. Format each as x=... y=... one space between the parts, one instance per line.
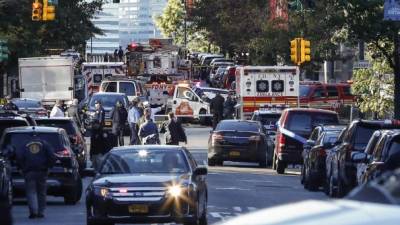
x=397 y=74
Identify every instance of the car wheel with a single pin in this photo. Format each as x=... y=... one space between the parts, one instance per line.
x=73 y=195
x=274 y=162
x=202 y=118
x=280 y=167
x=200 y=219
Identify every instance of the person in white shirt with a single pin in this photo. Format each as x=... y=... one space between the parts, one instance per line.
x=57 y=110
x=154 y=111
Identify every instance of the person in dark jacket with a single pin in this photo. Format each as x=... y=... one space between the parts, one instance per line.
x=149 y=129
x=97 y=144
x=34 y=160
x=10 y=105
x=229 y=107
x=119 y=117
x=217 y=109
x=174 y=132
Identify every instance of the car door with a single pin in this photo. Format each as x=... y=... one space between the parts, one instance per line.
x=200 y=182
x=181 y=103
x=372 y=168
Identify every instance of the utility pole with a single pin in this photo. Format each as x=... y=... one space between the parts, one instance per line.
x=397 y=73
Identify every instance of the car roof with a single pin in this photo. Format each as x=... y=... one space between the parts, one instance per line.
x=25 y=99
x=312 y=110
x=54 y=118
x=212 y=89
x=264 y=112
x=29 y=129
x=146 y=147
x=240 y=121
x=108 y=93
x=376 y=123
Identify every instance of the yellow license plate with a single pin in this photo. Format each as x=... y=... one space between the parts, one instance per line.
x=234 y=154
x=108 y=123
x=138 y=209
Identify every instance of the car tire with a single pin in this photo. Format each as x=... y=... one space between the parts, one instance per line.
x=274 y=162
x=280 y=166
x=215 y=162
x=202 y=119
x=73 y=195
x=200 y=220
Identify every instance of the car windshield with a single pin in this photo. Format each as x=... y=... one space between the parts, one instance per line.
x=304 y=90
x=238 y=126
x=67 y=125
x=23 y=103
x=362 y=136
x=108 y=101
x=4 y=124
x=145 y=161
x=305 y=121
x=18 y=141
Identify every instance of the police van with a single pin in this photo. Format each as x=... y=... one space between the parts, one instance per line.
x=261 y=85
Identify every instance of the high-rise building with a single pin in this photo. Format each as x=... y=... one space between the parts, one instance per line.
x=125 y=22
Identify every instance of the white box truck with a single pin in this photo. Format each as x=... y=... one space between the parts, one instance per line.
x=47 y=79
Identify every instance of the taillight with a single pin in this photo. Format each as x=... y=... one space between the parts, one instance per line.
x=216 y=137
x=255 y=138
x=65 y=153
x=321 y=152
x=281 y=140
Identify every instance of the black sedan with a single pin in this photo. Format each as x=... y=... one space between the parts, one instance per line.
x=148 y=184
x=239 y=140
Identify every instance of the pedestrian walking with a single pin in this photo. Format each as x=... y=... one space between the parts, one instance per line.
x=106 y=57
x=174 y=132
x=73 y=113
x=57 y=110
x=229 y=107
x=133 y=120
x=97 y=144
x=148 y=132
x=116 y=55
x=10 y=105
x=119 y=117
x=120 y=54
x=35 y=159
x=217 y=109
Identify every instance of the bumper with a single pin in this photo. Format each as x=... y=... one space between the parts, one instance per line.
x=294 y=157
x=237 y=153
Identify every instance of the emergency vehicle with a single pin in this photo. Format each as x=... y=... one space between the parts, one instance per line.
x=96 y=72
x=260 y=85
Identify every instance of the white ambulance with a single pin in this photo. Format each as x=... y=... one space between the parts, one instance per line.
x=261 y=85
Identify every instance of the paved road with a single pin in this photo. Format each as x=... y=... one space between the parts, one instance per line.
x=235 y=189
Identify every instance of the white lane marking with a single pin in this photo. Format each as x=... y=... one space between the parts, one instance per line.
x=237 y=209
x=233 y=188
x=251 y=209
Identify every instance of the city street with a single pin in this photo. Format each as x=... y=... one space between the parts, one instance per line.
x=235 y=189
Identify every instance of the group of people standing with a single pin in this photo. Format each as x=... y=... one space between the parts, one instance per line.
x=222 y=109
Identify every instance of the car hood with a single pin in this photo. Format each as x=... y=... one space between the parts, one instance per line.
x=314 y=212
x=126 y=180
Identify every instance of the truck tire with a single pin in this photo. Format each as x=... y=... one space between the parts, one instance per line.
x=280 y=167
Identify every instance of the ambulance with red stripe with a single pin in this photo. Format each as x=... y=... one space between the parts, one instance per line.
x=96 y=72
x=260 y=85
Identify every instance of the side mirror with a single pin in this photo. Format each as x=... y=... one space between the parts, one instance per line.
x=359 y=157
x=88 y=172
x=199 y=171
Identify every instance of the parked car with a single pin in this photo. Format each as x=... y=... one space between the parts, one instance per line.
x=11 y=119
x=294 y=126
x=343 y=176
x=148 y=184
x=384 y=189
x=30 y=106
x=6 y=194
x=63 y=179
x=385 y=156
x=76 y=138
x=314 y=155
x=239 y=140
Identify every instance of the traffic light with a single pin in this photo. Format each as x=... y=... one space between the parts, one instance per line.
x=305 y=51
x=295 y=51
x=49 y=11
x=36 y=11
x=3 y=51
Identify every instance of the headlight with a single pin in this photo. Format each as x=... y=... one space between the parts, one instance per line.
x=102 y=191
x=175 y=191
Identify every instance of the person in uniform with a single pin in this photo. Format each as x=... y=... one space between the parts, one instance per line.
x=217 y=109
x=35 y=160
x=119 y=116
x=10 y=105
x=133 y=120
x=174 y=132
x=97 y=145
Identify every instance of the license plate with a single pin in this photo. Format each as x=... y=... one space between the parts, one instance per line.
x=234 y=154
x=107 y=123
x=138 y=209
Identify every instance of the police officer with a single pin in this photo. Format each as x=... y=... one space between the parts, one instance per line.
x=149 y=130
x=217 y=109
x=10 y=105
x=35 y=160
x=97 y=143
x=119 y=116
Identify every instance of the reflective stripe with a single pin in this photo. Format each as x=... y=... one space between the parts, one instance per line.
x=292 y=135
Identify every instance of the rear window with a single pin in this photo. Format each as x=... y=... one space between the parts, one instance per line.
x=238 y=126
x=127 y=88
x=362 y=136
x=305 y=121
x=4 y=124
x=304 y=90
x=68 y=126
x=20 y=140
x=267 y=119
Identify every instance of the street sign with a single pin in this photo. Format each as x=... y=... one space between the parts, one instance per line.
x=392 y=10
x=362 y=64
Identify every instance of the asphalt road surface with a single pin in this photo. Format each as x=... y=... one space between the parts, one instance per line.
x=234 y=189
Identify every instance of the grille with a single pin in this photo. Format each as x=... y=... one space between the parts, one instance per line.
x=138 y=194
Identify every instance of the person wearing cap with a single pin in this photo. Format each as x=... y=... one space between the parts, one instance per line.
x=97 y=144
x=57 y=110
x=10 y=105
x=133 y=120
